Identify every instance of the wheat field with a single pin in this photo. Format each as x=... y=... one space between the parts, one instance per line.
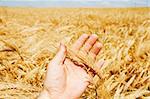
x=29 y=38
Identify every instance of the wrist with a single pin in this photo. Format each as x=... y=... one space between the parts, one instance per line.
x=65 y=96
x=60 y=96
x=44 y=95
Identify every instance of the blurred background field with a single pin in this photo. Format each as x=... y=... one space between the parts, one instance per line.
x=28 y=36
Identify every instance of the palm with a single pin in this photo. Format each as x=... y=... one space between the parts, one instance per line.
x=64 y=76
x=77 y=79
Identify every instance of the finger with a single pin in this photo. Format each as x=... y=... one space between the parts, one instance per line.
x=78 y=44
x=95 y=50
x=90 y=42
x=60 y=56
x=100 y=63
x=88 y=79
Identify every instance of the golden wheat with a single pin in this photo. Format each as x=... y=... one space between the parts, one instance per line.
x=29 y=38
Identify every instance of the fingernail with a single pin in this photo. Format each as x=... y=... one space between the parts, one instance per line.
x=62 y=47
x=94 y=35
x=85 y=35
x=99 y=45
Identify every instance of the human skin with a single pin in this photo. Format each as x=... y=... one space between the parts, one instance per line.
x=64 y=79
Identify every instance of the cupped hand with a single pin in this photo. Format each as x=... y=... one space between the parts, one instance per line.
x=64 y=79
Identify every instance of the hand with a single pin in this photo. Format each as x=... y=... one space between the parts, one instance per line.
x=64 y=79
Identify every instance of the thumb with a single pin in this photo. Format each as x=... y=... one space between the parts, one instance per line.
x=61 y=54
